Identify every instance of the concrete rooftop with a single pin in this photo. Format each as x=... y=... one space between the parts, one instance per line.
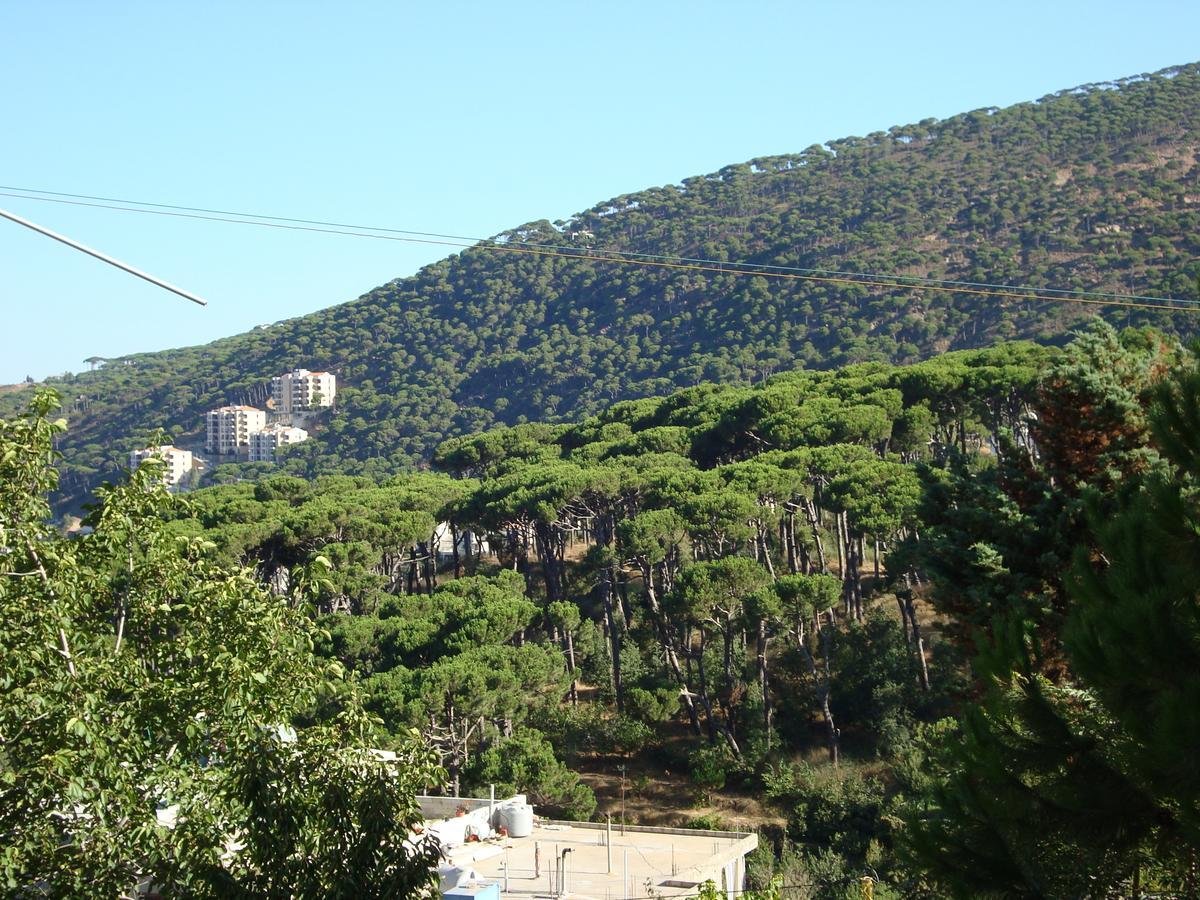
x=665 y=862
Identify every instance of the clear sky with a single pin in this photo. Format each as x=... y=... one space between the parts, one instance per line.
x=467 y=118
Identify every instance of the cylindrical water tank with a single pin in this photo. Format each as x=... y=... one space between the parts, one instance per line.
x=517 y=818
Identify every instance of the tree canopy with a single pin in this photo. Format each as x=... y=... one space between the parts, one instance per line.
x=164 y=721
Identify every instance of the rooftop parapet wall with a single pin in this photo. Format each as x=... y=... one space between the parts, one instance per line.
x=448 y=807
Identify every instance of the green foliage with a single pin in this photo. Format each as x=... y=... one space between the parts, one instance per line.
x=150 y=709
x=876 y=675
x=839 y=812
x=574 y=730
x=707 y=822
x=525 y=763
x=720 y=613
x=996 y=540
x=700 y=595
x=1102 y=757
x=652 y=706
x=1134 y=636
x=711 y=766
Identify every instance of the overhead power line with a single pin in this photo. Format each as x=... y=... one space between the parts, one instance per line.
x=907 y=279
x=621 y=257
x=103 y=257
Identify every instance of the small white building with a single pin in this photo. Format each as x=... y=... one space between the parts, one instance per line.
x=301 y=390
x=230 y=427
x=265 y=443
x=469 y=544
x=178 y=464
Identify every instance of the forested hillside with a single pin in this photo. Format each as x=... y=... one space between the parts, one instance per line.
x=1095 y=188
x=889 y=614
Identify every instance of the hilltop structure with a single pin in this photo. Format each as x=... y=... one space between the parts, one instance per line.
x=265 y=444
x=179 y=464
x=243 y=430
x=230 y=427
x=302 y=391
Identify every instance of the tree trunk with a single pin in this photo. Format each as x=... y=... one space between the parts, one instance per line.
x=843 y=550
x=814 y=524
x=543 y=536
x=918 y=640
x=574 y=693
x=668 y=647
x=789 y=541
x=714 y=727
x=841 y=541
x=454 y=539
x=761 y=651
x=622 y=584
x=822 y=684
x=428 y=568
x=855 y=556
x=765 y=548
x=904 y=620
x=614 y=637
x=832 y=732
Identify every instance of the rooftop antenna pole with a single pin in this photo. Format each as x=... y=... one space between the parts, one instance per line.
x=103 y=257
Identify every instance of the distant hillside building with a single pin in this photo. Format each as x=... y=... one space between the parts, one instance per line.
x=230 y=427
x=301 y=390
x=469 y=544
x=265 y=444
x=179 y=464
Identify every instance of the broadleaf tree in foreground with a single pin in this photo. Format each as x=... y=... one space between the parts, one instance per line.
x=164 y=722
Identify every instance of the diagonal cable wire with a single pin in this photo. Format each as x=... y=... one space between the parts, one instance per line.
x=864 y=279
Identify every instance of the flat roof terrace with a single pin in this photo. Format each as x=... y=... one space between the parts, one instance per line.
x=640 y=861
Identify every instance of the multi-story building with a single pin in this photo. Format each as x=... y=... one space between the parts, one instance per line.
x=301 y=390
x=178 y=468
x=265 y=444
x=230 y=427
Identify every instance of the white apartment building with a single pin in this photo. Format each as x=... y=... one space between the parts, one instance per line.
x=230 y=427
x=301 y=390
x=265 y=444
x=179 y=464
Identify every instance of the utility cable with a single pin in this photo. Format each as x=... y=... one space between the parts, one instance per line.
x=914 y=279
x=714 y=266
x=630 y=253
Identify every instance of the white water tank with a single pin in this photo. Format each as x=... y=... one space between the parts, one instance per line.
x=517 y=818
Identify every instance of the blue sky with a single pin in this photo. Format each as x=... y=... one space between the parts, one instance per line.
x=467 y=118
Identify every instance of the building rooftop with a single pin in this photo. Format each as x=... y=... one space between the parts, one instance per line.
x=603 y=863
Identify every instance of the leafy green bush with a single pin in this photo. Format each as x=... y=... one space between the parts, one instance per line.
x=589 y=729
x=710 y=766
x=658 y=705
x=525 y=763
